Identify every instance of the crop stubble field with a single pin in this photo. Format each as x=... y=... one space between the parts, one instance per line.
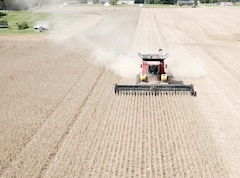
x=60 y=117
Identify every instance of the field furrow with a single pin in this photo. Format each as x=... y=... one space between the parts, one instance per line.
x=125 y=144
x=91 y=128
x=54 y=130
x=33 y=84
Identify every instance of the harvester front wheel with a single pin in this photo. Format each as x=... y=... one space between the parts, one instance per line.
x=137 y=78
x=170 y=79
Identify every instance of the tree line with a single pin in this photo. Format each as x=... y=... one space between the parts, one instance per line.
x=28 y=4
x=25 y=4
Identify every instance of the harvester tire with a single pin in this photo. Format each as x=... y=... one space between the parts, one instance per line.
x=137 y=78
x=170 y=79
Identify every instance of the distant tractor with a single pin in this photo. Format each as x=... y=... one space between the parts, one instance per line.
x=153 y=79
x=42 y=26
x=186 y=3
x=3 y=24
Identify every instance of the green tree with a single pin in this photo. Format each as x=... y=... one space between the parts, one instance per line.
x=2 y=5
x=26 y=4
x=113 y=2
x=157 y=1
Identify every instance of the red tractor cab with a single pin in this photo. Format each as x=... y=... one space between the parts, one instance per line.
x=153 y=68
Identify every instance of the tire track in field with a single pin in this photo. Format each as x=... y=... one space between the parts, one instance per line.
x=33 y=159
x=77 y=155
x=67 y=131
x=179 y=145
x=137 y=136
x=31 y=98
x=176 y=143
x=219 y=51
x=48 y=115
x=181 y=152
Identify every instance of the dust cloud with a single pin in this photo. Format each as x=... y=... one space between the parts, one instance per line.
x=31 y=4
x=109 y=43
x=106 y=38
x=184 y=63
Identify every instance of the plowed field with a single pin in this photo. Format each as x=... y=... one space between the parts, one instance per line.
x=59 y=116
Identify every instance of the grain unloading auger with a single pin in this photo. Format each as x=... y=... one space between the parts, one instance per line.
x=153 y=80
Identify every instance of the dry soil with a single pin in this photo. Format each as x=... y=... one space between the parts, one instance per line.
x=60 y=118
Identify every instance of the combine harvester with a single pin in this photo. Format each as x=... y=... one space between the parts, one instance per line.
x=153 y=80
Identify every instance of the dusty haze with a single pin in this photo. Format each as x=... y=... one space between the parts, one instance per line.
x=60 y=117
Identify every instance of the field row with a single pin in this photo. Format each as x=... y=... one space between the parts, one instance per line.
x=33 y=158
x=33 y=86
x=94 y=133
x=137 y=136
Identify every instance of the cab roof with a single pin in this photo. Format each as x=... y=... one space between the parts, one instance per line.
x=153 y=57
